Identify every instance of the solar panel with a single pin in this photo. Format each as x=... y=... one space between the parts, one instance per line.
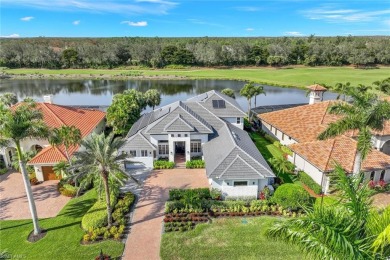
x=219 y=104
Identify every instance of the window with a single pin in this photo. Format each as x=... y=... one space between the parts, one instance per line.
x=240 y=183
x=372 y=175
x=196 y=147
x=144 y=153
x=238 y=120
x=133 y=153
x=172 y=135
x=219 y=104
x=382 y=175
x=185 y=135
x=163 y=148
x=179 y=135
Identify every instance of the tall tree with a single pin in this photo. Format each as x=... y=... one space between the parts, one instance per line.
x=125 y=110
x=249 y=91
x=8 y=99
x=347 y=230
x=366 y=113
x=229 y=92
x=343 y=89
x=67 y=136
x=102 y=160
x=24 y=121
x=258 y=91
x=152 y=98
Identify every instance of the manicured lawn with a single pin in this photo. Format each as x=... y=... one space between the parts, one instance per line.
x=269 y=151
x=63 y=238
x=227 y=239
x=293 y=76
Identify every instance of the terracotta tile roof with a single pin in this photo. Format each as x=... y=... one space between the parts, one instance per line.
x=317 y=87
x=303 y=123
x=52 y=155
x=56 y=116
x=342 y=149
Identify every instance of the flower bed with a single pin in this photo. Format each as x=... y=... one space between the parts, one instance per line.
x=163 y=164
x=195 y=164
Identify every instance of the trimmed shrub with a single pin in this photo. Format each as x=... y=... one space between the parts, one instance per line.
x=67 y=190
x=194 y=164
x=96 y=216
x=309 y=182
x=162 y=164
x=170 y=206
x=291 y=196
x=178 y=194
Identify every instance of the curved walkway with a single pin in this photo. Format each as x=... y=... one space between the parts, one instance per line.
x=143 y=242
x=13 y=199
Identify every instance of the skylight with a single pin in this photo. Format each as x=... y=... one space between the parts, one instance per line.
x=219 y=103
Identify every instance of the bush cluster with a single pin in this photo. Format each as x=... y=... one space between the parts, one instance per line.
x=309 y=182
x=104 y=233
x=194 y=164
x=96 y=216
x=162 y=164
x=122 y=208
x=68 y=190
x=292 y=196
x=178 y=194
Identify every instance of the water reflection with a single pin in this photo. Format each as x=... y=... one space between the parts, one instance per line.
x=100 y=92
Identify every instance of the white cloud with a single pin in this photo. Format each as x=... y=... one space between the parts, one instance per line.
x=136 y=24
x=77 y=22
x=27 y=18
x=387 y=22
x=293 y=34
x=332 y=15
x=14 y=35
x=249 y=29
x=247 y=8
x=103 y=6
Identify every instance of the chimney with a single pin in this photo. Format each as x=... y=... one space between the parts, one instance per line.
x=48 y=99
x=316 y=93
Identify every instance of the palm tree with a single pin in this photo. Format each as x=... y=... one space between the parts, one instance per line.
x=153 y=98
x=342 y=89
x=338 y=232
x=228 y=92
x=366 y=113
x=248 y=91
x=101 y=160
x=282 y=165
x=258 y=91
x=383 y=85
x=8 y=99
x=67 y=136
x=24 y=121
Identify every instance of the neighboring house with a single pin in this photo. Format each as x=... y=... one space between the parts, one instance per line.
x=299 y=127
x=207 y=126
x=87 y=120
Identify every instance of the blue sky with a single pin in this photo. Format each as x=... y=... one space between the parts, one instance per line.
x=185 y=18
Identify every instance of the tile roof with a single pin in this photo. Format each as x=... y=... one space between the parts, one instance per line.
x=56 y=116
x=342 y=149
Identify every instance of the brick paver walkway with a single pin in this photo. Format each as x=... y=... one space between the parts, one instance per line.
x=13 y=199
x=144 y=239
x=381 y=200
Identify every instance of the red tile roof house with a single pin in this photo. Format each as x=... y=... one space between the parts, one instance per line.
x=87 y=120
x=299 y=127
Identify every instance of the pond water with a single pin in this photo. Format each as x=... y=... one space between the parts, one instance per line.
x=100 y=92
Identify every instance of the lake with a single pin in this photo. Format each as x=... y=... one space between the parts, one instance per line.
x=100 y=92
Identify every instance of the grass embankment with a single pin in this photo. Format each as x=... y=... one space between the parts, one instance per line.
x=227 y=238
x=269 y=151
x=63 y=237
x=294 y=76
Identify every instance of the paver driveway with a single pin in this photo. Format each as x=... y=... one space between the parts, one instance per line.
x=13 y=199
x=145 y=236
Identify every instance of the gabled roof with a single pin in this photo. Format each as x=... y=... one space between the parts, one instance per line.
x=137 y=141
x=179 y=124
x=240 y=169
x=342 y=149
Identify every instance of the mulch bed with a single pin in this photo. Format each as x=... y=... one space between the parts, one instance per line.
x=34 y=238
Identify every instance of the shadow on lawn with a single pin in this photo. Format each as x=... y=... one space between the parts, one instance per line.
x=14 y=226
x=78 y=209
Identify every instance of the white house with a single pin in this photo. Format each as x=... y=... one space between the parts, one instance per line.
x=87 y=120
x=299 y=127
x=207 y=126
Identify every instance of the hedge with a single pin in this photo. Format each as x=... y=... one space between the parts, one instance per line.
x=291 y=196
x=193 y=164
x=162 y=164
x=309 y=182
x=96 y=216
x=178 y=194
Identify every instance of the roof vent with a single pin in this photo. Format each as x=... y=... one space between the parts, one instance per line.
x=48 y=99
x=234 y=135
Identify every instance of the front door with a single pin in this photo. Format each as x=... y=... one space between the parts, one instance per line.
x=180 y=147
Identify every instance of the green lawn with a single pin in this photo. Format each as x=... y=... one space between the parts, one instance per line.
x=294 y=76
x=269 y=151
x=227 y=239
x=63 y=238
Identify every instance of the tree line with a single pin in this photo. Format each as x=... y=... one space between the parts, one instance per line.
x=56 y=53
